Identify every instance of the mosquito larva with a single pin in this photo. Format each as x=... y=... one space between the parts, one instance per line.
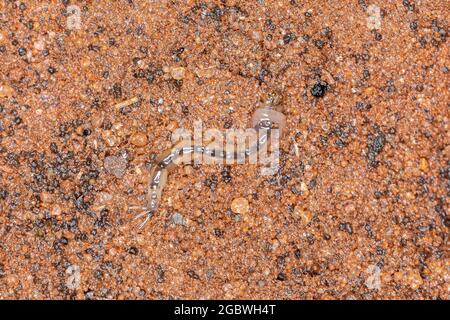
x=264 y=119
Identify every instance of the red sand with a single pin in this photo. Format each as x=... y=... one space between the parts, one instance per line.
x=358 y=211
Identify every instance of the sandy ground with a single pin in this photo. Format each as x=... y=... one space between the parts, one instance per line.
x=358 y=209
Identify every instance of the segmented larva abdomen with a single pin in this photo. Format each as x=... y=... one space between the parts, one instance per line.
x=262 y=120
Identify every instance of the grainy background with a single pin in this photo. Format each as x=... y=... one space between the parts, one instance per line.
x=357 y=211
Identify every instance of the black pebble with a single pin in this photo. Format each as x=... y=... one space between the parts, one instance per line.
x=51 y=70
x=281 y=276
x=319 y=89
x=413 y=25
x=378 y=36
x=22 y=51
x=133 y=250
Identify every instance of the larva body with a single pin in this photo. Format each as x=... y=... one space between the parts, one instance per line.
x=263 y=121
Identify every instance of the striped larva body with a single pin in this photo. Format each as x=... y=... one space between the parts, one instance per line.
x=264 y=120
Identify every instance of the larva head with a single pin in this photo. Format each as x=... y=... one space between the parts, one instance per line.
x=268 y=118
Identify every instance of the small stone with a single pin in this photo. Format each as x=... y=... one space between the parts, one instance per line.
x=56 y=210
x=304 y=188
x=39 y=45
x=205 y=72
x=178 y=73
x=105 y=197
x=6 y=91
x=133 y=251
x=110 y=139
x=178 y=219
x=414 y=279
x=240 y=206
x=74 y=277
x=51 y=70
x=302 y=214
x=319 y=89
x=22 y=51
x=423 y=165
x=373 y=281
x=139 y=139
x=115 y=165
